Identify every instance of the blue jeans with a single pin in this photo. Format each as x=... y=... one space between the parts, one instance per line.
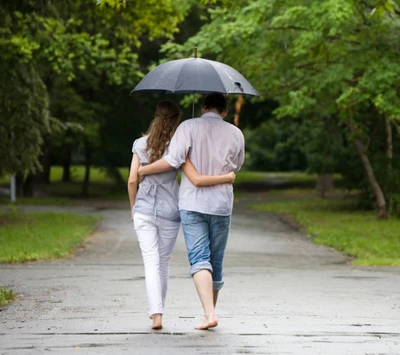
x=206 y=237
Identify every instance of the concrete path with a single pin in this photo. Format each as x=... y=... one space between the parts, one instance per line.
x=282 y=295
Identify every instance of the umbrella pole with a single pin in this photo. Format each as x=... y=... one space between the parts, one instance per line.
x=193 y=109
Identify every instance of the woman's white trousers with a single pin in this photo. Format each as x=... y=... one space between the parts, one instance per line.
x=157 y=238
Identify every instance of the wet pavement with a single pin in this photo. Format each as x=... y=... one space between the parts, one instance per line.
x=282 y=295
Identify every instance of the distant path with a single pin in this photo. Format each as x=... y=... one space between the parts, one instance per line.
x=282 y=295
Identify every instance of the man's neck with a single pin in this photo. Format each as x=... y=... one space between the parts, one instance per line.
x=212 y=111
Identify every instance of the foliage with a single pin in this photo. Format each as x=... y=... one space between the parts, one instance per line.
x=275 y=145
x=38 y=236
x=331 y=62
x=325 y=55
x=82 y=53
x=151 y=17
x=337 y=223
x=24 y=117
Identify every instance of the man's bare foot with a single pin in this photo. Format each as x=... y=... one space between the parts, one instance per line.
x=157 y=321
x=208 y=323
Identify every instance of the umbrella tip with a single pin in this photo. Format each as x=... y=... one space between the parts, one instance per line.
x=195 y=52
x=239 y=85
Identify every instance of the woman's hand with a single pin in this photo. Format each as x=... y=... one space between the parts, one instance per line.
x=132 y=215
x=232 y=177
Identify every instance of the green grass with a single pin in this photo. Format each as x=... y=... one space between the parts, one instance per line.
x=98 y=175
x=104 y=187
x=293 y=178
x=6 y=296
x=60 y=193
x=299 y=193
x=77 y=174
x=38 y=201
x=38 y=236
x=243 y=177
x=97 y=190
x=337 y=223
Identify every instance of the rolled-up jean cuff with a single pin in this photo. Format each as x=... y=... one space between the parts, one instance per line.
x=217 y=285
x=202 y=265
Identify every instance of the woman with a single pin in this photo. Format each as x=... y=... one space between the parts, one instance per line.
x=155 y=205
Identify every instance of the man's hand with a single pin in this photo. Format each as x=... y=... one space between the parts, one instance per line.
x=132 y=215
x=232 y=177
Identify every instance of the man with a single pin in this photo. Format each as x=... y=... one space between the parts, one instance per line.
x=214 y=147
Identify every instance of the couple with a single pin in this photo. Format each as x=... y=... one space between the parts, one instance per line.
x=208 y=150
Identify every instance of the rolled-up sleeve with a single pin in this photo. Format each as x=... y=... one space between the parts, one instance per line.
x=240 y=155
x=179 y=146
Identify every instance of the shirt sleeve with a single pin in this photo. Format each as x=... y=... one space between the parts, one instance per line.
x=240 y=155
x=179 y=146
x=134 y=148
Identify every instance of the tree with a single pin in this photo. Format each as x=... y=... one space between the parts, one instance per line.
x=320 y=59
x=79 y=51
x=24 y=117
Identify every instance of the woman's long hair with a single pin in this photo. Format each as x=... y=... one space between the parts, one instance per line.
x=162 y=128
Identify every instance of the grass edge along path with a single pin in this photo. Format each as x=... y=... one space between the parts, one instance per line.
x=41 y=236
x=336 y=223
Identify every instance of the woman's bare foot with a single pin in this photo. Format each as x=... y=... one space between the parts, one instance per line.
x=157 y=321
x=208 y=323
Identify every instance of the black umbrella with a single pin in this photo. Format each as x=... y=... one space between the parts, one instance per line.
x=195 y=75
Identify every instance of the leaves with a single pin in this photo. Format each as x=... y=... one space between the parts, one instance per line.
x=24 y=112
x=70 y=53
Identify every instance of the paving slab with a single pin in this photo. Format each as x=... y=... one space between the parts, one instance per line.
x=282 y=295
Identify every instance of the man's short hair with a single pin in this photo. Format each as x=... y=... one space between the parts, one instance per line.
x=215 y=101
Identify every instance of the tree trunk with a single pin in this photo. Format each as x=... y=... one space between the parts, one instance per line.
x=369 y=171
x=324 y=184
x=29 y=185
x=389 y=154
x=45 y=161
x=88 y=163
x=67 y=165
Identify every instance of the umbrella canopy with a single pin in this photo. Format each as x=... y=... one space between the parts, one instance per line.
x=195 y=75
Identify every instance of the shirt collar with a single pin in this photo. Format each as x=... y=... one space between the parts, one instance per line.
x=211 y=115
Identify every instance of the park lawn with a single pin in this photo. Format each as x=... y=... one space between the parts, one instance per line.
x=105 y=188
x=77 y=174
x=38 y=201
x=99 y=175
x=337 y=223
x=62 y=193
x=39 y=236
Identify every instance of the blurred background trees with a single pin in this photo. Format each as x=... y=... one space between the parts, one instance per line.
x=68 y=69
x=332 y=67
x=327 y=71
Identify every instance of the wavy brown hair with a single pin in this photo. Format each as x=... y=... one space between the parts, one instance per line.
x=162 y=128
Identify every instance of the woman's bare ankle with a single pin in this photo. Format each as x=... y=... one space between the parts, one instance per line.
x=157 y=321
